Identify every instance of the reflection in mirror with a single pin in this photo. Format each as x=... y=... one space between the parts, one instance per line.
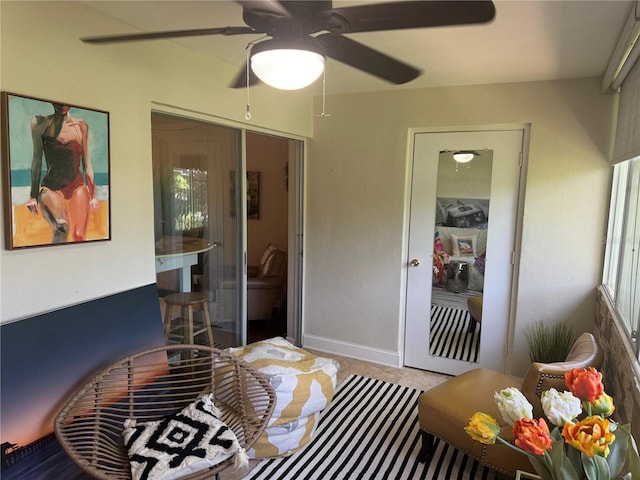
x=459 y=255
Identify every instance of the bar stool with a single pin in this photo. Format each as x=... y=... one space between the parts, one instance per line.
x=187 y=301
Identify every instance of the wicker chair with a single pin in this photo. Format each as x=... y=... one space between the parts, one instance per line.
x=151 y=385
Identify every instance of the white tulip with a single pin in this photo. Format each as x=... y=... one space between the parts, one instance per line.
x=513 y=405
x=560 y=408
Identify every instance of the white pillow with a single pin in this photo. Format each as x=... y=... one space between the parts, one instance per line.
x=180 y=444
x=464 y=246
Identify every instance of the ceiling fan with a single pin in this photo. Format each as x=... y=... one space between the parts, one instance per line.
x=315 y=29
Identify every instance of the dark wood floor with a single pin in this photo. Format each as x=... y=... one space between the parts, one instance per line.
x=263 y=329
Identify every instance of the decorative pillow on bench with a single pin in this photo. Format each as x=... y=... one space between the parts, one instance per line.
x=464 y=246
x=188 y=441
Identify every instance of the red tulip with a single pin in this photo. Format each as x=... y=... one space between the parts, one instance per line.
x=586 y=384
x=532 y=435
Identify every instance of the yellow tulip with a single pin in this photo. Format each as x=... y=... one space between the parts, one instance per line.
x=603 y=406
x=483 y=428
x=591 y=436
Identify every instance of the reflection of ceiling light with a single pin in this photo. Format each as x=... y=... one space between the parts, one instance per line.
x=464 y=156
x=288 y=65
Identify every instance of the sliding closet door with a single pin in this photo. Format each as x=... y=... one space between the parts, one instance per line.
x=199 y=217
x=461 y=249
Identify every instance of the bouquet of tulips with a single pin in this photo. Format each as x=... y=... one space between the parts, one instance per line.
x=593 y=448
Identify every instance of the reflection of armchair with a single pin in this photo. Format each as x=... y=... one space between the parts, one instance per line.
x=267 y=285
x=444 y=410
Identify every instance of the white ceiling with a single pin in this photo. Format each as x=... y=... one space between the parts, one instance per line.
x=527 y=41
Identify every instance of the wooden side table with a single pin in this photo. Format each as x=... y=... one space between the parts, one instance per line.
x=457 y=276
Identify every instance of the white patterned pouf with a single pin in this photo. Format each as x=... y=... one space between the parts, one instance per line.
x=304 y=384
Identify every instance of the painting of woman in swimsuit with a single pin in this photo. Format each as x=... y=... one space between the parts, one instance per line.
x=60 y=196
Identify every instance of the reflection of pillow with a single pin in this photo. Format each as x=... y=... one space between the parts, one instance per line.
x=440 y=258
x=437 y=243
x=185 y=442
x=463 y=246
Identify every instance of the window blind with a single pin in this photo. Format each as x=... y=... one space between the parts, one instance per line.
x=627 y=143
x=627 y=78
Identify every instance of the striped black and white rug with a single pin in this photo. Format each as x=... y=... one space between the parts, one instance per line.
x=450 y=335
x=370 y=431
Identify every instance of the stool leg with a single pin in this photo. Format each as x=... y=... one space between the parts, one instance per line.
x=207 y=321
x=427 y=448
x=167 y=322
x=188 y=318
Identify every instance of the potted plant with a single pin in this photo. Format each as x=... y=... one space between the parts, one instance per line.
x=549 y=343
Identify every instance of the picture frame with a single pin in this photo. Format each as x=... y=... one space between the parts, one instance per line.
x=522 y=475
x=253 y=194
x=55 y=172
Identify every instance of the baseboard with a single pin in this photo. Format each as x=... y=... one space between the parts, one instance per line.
x=351 y=350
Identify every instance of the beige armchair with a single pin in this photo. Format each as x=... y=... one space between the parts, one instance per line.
x=444 y=410
x=267 y=285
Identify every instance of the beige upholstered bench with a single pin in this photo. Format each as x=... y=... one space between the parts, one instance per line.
x=444 y=410
x=474 y=305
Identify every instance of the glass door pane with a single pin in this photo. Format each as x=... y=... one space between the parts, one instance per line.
x=196 y=226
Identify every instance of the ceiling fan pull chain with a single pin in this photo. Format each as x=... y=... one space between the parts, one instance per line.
x=324 y=94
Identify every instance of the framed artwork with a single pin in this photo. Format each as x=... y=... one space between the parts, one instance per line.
x=55 y=172
x=253 y=195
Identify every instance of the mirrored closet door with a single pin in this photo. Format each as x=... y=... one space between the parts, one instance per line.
x=464 y=203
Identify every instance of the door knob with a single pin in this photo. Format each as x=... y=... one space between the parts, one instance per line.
x=415 y=262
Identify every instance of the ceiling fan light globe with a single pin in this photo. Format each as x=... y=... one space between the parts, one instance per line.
x=287 y=68
x=463 y=157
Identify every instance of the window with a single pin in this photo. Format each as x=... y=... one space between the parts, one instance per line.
x=190 y=198
x=622 y=265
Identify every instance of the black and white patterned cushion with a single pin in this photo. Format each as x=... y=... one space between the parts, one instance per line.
x=185 y=442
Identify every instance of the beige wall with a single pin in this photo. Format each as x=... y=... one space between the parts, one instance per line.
x=356 y=178
x=42 y=57
x=268 y=155
x=356 y=194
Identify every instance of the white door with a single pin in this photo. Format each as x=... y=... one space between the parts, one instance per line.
x=472 y=208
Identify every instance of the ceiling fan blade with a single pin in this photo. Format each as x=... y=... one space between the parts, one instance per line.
x=130 y=37
x=367 y=59
x=241 y=78
x=409 y=14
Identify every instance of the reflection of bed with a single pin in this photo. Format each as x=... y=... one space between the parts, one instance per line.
x=464 y=245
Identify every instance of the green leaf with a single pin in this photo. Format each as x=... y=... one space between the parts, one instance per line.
x=618 y=451
x=603 y=467
x=541 y=467
x=562 y=466
x=568 y=472
x=573 y=456
x=634 y=458
x=596 y=467
x=557 y=452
